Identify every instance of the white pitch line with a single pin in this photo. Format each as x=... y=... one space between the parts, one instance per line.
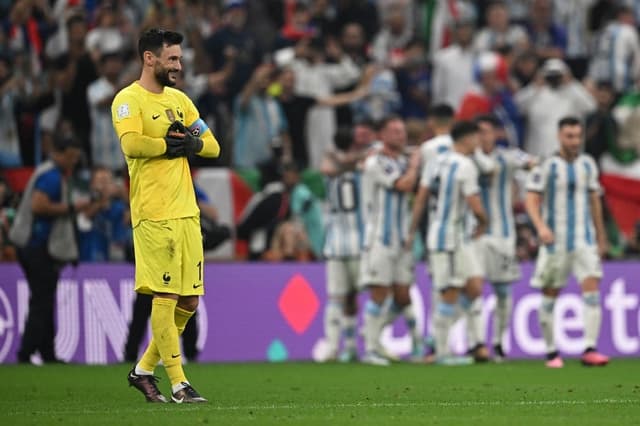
x=207 y=407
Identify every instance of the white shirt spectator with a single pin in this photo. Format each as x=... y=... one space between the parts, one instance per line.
x=452 y=75
x=105 y=146
x=544 y=106
x=489 y=39
x=319 y=81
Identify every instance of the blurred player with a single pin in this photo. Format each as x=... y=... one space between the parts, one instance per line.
x=455 y=181
x=342 y=244
x=158 y=127
x=387 y=267
x=565 y=187
x=496 y=249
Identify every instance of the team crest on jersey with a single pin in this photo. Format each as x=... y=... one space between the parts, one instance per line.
x=536 y=178
x=123 y=111
x=170 y=115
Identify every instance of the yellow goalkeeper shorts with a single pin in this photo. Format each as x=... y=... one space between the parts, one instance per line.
x=169 y=257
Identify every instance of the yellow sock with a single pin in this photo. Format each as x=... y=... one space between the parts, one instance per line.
x=151 y=356
x=165 y=335
x=182 y=317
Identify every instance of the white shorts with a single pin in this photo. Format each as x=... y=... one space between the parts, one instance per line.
x=342 y=276
x=447 y=268
x=498 y=257
x=473 y=255
x=385 y=266
x=553 y=269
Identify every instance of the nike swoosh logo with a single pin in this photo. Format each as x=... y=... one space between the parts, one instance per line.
x=176 y=400
x=155 y=116
x=175 y=356
x=197 y=285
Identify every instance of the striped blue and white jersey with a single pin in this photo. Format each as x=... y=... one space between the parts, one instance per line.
x=496 y=190
x=566 y=209
x=455 y=179
x=386 y=210
x=345 y=228
x=617 y=56
x=433 y=147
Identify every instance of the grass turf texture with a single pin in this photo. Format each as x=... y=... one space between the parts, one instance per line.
x=519 y=392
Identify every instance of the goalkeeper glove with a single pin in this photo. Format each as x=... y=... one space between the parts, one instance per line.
x=190 y=144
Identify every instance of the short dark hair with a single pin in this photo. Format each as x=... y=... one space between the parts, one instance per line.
x=154 y=39
x=386 y=120
x=488 y=118
x=441 y=112
x=462 y=129
x=569 y=121
x=343 y=138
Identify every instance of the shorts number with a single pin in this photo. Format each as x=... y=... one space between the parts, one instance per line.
x=199 y=265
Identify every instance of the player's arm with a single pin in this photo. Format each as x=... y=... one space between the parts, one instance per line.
x=471 y=192
x=533 y=202
x=127 y=121
x=475 y=205
x=596 y=207
x=198 y=128
x=417 y=211
x=598 y=221
x=407 y=182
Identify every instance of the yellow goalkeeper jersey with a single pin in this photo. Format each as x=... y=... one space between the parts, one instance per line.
x=161 y=187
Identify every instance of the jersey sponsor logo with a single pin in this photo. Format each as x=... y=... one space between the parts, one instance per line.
x=123 y=111
x=155 y=116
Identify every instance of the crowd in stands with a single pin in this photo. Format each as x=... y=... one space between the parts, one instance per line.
x=276 y=79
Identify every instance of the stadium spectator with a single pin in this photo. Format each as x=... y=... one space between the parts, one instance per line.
x=499 y=34
x=602 y=129
x=318 y=78
x=79 y=72
x=616 y=57
x=387 y=47
x=105 y=146
x=354 y=43
x=414 y=83
x=548 y=39
x=305 y=208
x=43 y=232
x=452 y=66
x=296 y=107
x=234 y=33
x=553 y=94
x=10 y=88
x=260 y=126
x=382 y=98
x=573 y=15
x=524 y=69
x=297 y=26
x=106 y=36
x=363 y=12
x=104 y=229
x=490 y=95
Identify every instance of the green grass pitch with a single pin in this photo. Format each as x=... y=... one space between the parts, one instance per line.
x=514 y=393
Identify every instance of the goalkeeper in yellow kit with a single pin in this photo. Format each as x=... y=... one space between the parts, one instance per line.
x=159 y=127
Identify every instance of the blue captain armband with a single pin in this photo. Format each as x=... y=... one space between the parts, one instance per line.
x=198 y=128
